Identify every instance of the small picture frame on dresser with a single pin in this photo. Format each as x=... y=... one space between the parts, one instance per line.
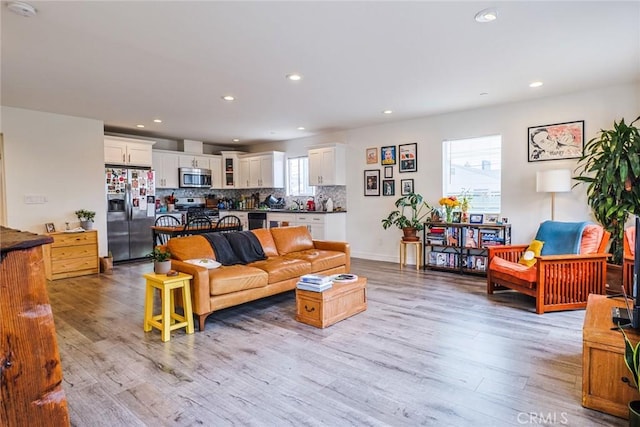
x=50 y=227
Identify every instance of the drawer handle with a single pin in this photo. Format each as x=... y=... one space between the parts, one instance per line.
x=309 y=310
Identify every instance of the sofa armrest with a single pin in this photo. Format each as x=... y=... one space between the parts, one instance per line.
x=200 y=294
x=509 y=252
x=329 y=245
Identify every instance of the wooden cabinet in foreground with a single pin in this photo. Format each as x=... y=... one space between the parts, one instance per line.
x=71 y=254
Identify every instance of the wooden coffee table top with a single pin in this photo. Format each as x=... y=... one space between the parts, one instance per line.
x=339 y=288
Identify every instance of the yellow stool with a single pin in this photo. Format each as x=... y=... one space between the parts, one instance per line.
x=403 y=252
x=166 y=321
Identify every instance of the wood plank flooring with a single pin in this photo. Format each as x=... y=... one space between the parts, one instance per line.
x=431 y=349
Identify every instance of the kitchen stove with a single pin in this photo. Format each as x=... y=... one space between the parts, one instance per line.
x=196 y=206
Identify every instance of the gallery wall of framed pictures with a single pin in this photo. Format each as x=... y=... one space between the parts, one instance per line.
x=404 y=156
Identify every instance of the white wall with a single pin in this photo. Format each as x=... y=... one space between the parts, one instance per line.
x=58 y=157
x=520 y=202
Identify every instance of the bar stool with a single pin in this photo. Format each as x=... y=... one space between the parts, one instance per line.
x=403 y=252
x=168 y=320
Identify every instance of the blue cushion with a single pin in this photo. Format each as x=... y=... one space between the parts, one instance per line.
x=560 y=238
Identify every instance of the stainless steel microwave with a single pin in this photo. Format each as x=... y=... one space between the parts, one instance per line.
x=195 y=178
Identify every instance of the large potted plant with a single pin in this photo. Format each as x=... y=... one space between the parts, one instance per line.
x=610 y=166
x=410 y=215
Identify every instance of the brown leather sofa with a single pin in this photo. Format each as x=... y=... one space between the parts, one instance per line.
x=290 y=251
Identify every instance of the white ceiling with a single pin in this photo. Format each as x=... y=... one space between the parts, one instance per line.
x=129 y=62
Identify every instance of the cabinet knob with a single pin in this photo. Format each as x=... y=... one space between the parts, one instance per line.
x=309 y=310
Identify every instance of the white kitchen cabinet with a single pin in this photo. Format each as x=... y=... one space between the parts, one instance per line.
x=215 y=164
x=194 y=161
x=127 y=151
x=166 y=164
x=322 y=226
x=243 y=215
x=264 y=170
x=243 y=173
x=327 y=165
x=230 y=171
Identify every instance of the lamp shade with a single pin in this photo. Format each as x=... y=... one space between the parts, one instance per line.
x=553 y=181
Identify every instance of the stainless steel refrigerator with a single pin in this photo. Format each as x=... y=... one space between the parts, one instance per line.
x=130 y=212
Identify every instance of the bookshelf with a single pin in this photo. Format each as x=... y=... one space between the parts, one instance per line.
x=461 y=247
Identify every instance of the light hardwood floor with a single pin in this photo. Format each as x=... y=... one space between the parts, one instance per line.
x=431 y=349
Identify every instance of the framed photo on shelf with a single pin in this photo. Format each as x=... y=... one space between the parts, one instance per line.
x=408 y=157
x=388 y=187
x=50 y=227
x=388 y=172
x=558 y=141
x=388 y=155
x=475 y=218
x=457 y=216
x=406 y=186
x=372 y=182
x=491 y=218
x=372 y=156
x=505 y=220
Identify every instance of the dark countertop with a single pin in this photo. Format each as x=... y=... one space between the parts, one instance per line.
x=289 y=211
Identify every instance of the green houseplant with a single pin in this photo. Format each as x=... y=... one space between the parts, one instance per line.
x=632 y=360
x=86 y=218
x=610 y=166
x=161 y=260
x=410 y=215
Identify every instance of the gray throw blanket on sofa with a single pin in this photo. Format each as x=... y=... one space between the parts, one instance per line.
x=240 y=247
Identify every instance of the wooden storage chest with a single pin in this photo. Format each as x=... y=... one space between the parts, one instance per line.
x=71 y=254
x=322 y=309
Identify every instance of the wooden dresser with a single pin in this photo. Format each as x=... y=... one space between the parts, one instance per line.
x=72 y=254
x=603 y=364
x=30 y=372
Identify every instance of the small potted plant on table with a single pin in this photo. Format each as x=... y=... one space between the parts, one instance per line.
x=86 y=218
x=411 y=222
x=161 y=260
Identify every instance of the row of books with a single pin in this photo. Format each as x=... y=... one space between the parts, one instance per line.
x=471 y=262
x=468 y=237
x=319 y=283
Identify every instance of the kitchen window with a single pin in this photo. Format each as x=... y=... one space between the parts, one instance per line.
x=473 y=166
x=298 y=177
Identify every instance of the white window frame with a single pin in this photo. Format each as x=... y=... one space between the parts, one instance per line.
x=303 y=178
x=488 y=198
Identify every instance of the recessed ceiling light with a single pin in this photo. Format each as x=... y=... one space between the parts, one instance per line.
x=295 y=77
x=139 y=126
x=484 y=93
x=535 y=84
x=300 y=127
x=387 y=112
x=487 y=15
x=235 y=140
x=22 y=9
x=157 y=121
x=229 y=98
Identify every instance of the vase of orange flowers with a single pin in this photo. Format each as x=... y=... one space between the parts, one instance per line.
x=449 y=203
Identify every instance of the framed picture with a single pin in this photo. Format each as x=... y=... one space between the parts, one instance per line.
x=372 y=182
x=408 y=157
x=457 y=216
x=388 y=172
x=388 y=155
x=491 y=218
x=406 y=186
x=475 y=218
x=505 y=220
x=388 y=187
x=471 y=237
x=558 y=141
x=372 y=156
x=50 y=227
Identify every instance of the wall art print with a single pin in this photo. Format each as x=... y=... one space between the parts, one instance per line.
x=557 y=141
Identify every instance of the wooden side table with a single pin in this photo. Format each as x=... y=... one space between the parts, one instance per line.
x=603 y=364
x=403 y=252
x=168 y=320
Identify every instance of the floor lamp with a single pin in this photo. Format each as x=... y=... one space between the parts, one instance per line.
x=553 y=181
